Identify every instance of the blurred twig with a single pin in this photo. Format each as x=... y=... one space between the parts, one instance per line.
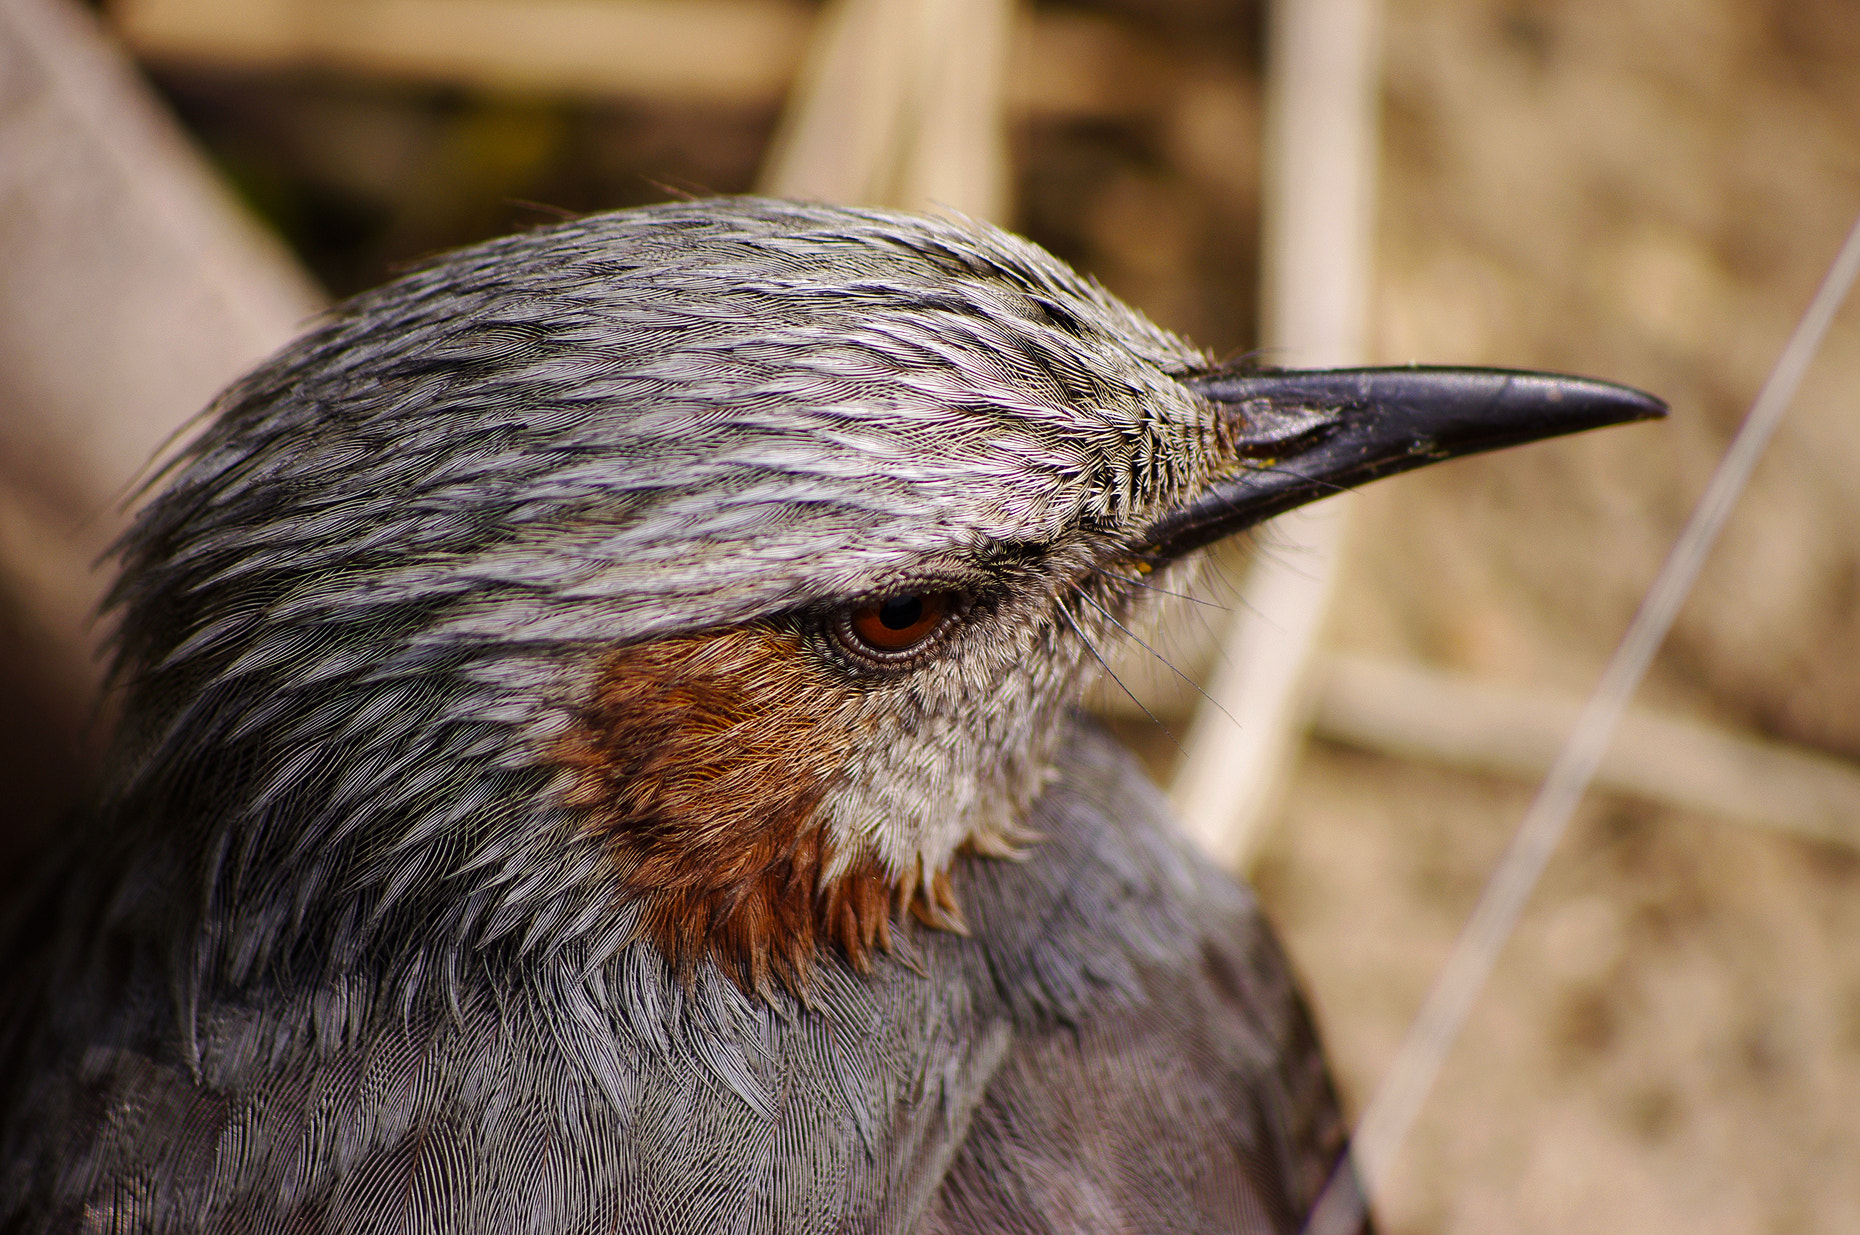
x=900 y=103
x=1323 y=71
x=135 y=288
x=1402 y=709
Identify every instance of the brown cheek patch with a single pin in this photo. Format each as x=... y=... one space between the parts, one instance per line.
x=702 y=762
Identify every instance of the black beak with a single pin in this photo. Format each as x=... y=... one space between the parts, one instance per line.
x=1304 y=434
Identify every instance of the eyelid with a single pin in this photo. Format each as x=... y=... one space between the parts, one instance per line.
x=861 y=634
x=901 y=622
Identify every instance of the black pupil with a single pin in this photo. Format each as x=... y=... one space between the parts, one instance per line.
x=901 y=612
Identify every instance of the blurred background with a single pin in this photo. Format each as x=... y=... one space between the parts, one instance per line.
x=1645 y=190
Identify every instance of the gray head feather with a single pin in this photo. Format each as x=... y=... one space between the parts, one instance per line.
x=378 y=583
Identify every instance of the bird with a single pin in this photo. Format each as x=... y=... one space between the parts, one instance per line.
x=600 y=750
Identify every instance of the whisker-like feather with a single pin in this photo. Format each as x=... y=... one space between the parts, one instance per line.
x=1151 y=587
x=1112 y=618
x=1106 y=665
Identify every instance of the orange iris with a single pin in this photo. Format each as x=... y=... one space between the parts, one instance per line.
x=899 y=623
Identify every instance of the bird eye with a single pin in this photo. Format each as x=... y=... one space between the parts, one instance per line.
x=894 y=630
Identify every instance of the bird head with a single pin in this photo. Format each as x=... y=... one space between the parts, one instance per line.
x=705 y=576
